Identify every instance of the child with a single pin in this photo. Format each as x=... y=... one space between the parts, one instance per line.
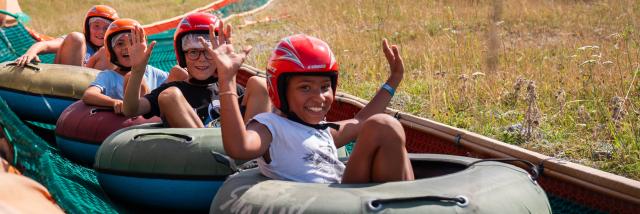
x=192 y=103
x=78 y=48
x=108 y=87
x=297 y=143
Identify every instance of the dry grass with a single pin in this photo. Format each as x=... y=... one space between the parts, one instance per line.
x=461 y=69
x=56 y=18
x=463 y=59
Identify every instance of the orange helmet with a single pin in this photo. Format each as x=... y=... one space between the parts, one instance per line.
x=117 y=27
x=101 y=11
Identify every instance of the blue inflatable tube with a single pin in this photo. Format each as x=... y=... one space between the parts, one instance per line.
x=39 y=108
x=175 y=194
x=177 y=169
x=41 y=92
x=81 y=152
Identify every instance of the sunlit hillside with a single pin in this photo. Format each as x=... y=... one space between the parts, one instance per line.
x=557 y=77
x=56 y=18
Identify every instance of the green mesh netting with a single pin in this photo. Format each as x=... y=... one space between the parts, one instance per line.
x=42 y=125
x=74 y=187
x=561 y=205
x=349 y=147
x=16 y=40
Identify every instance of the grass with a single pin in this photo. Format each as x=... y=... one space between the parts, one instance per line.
x=57 y=18
x=461 y=70
x=463 y=60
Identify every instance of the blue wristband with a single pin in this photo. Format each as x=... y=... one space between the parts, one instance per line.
x=389 y=89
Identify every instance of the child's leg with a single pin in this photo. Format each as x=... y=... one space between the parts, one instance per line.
x=72 y=50
x=379 y=154
x=256 y=98
x=177 y=110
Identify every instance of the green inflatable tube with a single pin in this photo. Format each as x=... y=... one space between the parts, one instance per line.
x=163 y=168
x=444 y=184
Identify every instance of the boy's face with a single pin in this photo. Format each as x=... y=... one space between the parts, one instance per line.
x=121 y=50
x=309 y=97
x=96 y=32
x=198 y=64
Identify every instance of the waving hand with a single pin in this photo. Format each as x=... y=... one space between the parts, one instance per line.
x=225 y=58
x=138 y=50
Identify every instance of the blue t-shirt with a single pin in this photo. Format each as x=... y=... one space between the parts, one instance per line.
x=111 y=83
x=90 y=52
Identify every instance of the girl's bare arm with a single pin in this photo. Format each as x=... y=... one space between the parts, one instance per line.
x=349 y=129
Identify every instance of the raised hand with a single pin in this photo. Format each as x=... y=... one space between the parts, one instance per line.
x=225 y=58
x=396 y=64
x=139 y=53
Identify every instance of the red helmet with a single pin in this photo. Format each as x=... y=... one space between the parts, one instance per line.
x=192 y=23
x=298 y=55
x=115 y=28
x=102 y=11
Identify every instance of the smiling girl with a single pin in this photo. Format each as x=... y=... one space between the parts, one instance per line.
x=297 y=143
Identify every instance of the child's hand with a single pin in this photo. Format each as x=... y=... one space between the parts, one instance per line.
x=117 y=107
x=139 y=53
x=26 y=58
x=395 y=61
x=225 y=58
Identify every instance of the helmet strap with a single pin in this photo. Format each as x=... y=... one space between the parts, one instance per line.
x=292 y=116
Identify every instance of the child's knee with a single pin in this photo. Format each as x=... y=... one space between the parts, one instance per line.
x=382 y=121
x=169 y=96
x=384 y=125
x=257 y=84
x=75 y=38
